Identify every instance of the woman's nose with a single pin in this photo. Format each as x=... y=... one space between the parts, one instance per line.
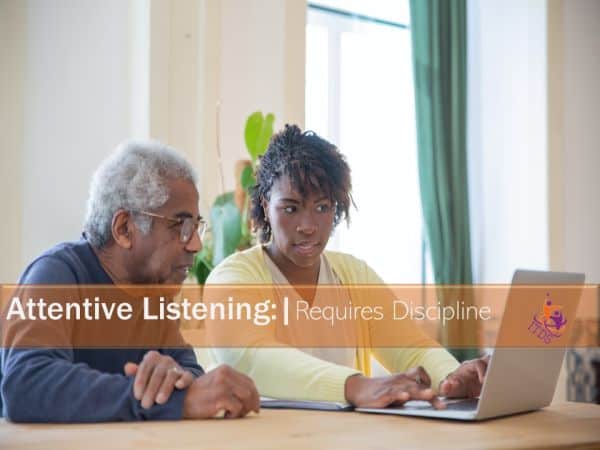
x=307 y=224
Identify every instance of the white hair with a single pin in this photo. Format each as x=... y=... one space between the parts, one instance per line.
x=133 y=178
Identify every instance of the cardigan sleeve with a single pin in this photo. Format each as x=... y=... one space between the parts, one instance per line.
x=418 y=349
x=278 y=371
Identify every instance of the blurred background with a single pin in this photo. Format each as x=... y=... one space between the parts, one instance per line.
x=80 y=76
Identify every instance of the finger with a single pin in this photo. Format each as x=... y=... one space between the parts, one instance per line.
x=451 y=387
x=173 y=375
x=390 y=395
x=426 y=394
x=157 y=378
x=245 y=396
x=247 y=393
x=481 y=368
x=144 y=370
x=185 y=380
x=130 y=369
x=230 y=404
x=444 y=388
x=420 y=393
x=437 y=403
x=254 y=401
x=424 y=377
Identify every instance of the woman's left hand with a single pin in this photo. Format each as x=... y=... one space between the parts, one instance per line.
x=466 y=380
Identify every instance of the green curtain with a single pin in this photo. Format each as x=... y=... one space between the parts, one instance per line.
x=438 y=30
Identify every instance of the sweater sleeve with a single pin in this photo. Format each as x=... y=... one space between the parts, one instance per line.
x=44 y=385
x=47 y=385
x=282 y=372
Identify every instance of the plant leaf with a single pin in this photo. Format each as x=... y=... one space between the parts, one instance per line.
x=247 y=178
x=226 y=227
x=258 y=133
x=265 y=134
x=254 y=125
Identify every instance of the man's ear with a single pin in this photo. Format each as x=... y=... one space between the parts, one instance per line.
x=123 y=228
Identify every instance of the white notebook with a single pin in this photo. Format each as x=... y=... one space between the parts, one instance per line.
x=268 y=402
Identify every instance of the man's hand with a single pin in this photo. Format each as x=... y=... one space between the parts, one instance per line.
x=466 y=380
x=396 y=389
x=222 y=390
x=156 y=377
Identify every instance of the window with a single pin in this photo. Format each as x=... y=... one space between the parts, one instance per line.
x=359 y=95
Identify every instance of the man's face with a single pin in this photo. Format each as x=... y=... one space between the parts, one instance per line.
x=300 y=226
x=160 y=257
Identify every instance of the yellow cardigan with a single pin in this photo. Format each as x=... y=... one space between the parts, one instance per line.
x=293 y=374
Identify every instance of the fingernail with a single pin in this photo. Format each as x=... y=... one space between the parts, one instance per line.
x=179 y=383
x=145 y=404
x=161 y=398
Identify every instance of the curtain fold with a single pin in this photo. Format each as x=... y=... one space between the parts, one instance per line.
x=438 y=30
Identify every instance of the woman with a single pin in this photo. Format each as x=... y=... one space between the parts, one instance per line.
x=302 y=192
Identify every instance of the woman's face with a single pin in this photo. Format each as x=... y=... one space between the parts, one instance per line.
x=300 y=226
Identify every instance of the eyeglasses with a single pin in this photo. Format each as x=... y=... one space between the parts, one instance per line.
x=189 y=225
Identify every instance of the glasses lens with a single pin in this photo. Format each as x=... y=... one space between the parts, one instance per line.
x=202 y=229
x=187 y=229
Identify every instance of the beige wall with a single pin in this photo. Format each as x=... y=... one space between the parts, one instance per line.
x=166 y=73
x=242 y=55
x=574 y=97
x=81 y=76
x=257 y=57
x=573 y=156
x=12 y=61
x=507 y=137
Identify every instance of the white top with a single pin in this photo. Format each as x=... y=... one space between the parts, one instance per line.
x=345 y=356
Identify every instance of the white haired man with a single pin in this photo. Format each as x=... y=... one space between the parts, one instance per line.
x=142 y=227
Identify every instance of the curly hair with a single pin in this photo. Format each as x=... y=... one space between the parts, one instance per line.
x=312 y=165
x=133 y=177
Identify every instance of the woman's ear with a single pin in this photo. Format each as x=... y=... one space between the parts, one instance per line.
x=123 y=228
x=265 y=206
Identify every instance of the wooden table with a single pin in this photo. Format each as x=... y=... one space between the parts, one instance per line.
x=565 y=425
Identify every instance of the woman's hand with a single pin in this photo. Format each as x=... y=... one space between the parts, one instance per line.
x=467 y=380
x=396 y=389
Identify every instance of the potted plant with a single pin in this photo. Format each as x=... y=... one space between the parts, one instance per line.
x=229 y=226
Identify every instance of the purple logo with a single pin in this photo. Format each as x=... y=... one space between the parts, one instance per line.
x=548 y=324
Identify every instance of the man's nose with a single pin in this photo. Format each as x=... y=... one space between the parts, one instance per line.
x=195 y=243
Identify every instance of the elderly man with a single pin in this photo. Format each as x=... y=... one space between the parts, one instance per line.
x=142 y=227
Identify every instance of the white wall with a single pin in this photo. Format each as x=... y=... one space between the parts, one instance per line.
x=581 y=138
x=83 y=75
x=507 y=137
x=533 y=138
x=260 y=63
x=12 y=76
x=76 y=110
x=67 y=106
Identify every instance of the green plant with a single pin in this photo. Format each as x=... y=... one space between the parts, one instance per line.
x=229 y=228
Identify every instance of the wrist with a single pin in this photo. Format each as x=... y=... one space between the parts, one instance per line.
x=352 y=387
x=188 y=402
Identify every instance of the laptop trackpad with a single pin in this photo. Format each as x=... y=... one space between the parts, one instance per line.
x=462 y=404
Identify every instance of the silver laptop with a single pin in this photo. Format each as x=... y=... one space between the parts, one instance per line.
x=517 y=379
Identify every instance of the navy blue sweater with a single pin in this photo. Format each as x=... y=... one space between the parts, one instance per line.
x=78 y=385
